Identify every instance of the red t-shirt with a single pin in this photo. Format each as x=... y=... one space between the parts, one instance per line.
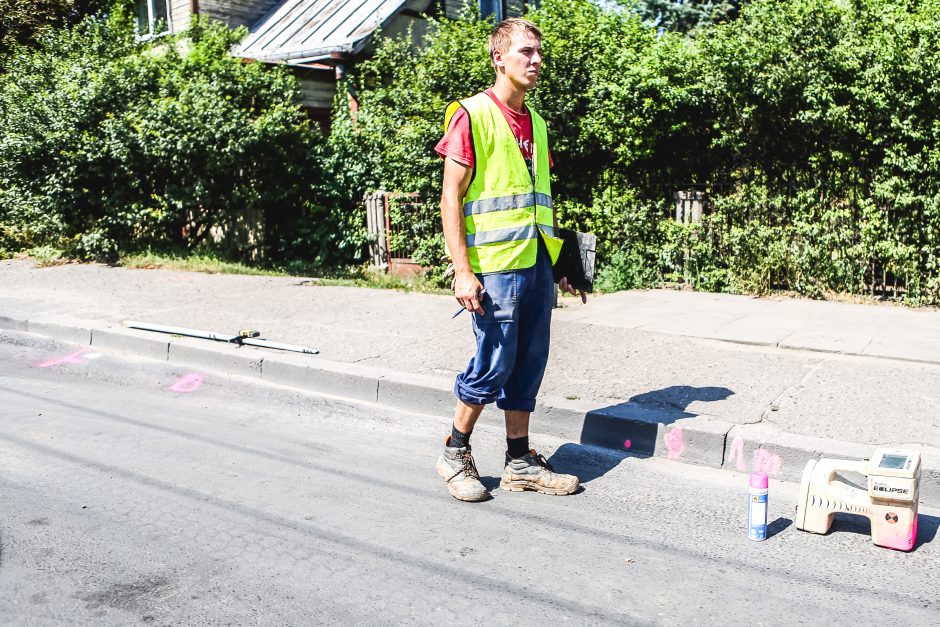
x=457 y=142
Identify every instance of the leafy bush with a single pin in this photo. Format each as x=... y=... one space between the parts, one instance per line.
x=625 y=270
x=24 y=22
x=110 y=145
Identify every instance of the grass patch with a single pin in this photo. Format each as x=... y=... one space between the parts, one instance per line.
x=352 y=276
x=46 y=256
x=362 y=276
x=194 y=263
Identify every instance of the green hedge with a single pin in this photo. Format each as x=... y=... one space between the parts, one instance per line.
x=809 y=125
x=110 y=145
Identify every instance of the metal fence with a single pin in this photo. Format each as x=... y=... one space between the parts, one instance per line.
x=881 y=276
x=396 y=222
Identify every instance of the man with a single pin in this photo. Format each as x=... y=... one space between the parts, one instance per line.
x=498 y=222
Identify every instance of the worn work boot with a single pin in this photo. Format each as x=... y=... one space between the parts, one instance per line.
x=459 y=472
x=533 y=472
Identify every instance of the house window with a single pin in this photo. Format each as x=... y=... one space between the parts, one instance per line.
x=153 y=17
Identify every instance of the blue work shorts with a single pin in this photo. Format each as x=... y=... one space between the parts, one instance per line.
x=512 y=336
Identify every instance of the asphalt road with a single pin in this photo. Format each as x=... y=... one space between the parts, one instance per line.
x=137 y=493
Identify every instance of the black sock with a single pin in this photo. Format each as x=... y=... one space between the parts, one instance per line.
x=459 y=439
x=517 y=447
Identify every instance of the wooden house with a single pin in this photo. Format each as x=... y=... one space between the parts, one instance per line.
x=318 y=39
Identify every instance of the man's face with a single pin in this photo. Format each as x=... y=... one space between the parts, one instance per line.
x=522 y=62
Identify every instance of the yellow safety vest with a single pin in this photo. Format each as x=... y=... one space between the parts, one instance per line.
x=505 y=209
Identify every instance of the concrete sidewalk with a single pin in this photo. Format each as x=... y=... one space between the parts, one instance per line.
x=726 y=381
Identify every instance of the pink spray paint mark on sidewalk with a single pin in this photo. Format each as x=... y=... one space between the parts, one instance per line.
x=188 y=383
x=737 y=451
x=78 y=357
x=674 y=443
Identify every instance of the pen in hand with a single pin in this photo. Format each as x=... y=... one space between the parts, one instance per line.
x=462 y=309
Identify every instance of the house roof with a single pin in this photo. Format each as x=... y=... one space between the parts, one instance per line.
x=298 y=31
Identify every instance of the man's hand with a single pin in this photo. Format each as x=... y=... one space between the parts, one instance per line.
x=566 y=287
x=467 y=291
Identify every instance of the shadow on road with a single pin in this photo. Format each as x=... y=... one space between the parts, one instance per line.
x=490 y=483
x=926 y=529
x=629 y=428
x=927 y=526
x=587 y=462
x=777 y=526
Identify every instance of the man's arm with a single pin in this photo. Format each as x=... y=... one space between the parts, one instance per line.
x=466 y=285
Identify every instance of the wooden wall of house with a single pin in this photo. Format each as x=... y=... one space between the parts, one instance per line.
x=419 y=6
x=317 y=89
x=410 y=17
x=236 y=12
x=180 y=14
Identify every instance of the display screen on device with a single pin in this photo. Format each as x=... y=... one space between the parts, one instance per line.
x=893 y=461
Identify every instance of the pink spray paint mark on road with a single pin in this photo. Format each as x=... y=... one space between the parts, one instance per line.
x=767 y=462
x=78 y=357
x=187 y=384
x=737 y=450
x=674 y=442
x=627 y=444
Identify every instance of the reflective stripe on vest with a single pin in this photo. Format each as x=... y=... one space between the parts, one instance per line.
x=502 y=203
x=505 y=210
x=508 y=235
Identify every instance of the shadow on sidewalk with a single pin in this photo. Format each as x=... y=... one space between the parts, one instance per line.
x=629 y=428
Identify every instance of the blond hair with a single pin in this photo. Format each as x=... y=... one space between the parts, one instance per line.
x=501 y=36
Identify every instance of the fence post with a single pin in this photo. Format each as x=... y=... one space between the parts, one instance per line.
x=690 y=204
x=375 y=223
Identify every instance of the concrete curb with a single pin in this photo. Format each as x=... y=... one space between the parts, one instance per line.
x=228 y=359
x=66 y=333
x=124 y=341
x=697 y=439
x=416 y=392
x=339 y=378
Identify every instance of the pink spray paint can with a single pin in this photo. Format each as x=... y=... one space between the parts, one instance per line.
x=757 y=506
